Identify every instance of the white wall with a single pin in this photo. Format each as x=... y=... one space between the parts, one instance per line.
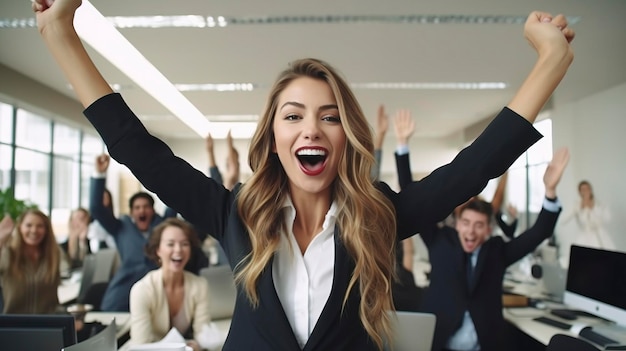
x=594 y=129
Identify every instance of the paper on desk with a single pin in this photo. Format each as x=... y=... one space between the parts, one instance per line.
x=210 y=337
x=173 y=341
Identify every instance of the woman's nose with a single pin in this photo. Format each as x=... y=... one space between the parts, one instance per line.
x=311 y=129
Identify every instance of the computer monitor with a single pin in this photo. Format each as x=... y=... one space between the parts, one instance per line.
x=36 y=332
x=596 y=283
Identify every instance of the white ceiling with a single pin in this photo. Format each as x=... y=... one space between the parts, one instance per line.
x=363 y=52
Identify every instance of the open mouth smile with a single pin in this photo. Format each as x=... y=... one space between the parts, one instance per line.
x=312 y=160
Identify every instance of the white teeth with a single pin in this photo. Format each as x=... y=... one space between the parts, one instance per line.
x=311 y=152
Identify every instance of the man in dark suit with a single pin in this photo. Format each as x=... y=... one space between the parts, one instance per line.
x=468 y=267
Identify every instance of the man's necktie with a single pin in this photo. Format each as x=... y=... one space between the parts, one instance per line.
x=469 y=268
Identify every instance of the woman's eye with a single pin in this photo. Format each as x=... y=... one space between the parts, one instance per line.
x=292 y=117
x=333 y=119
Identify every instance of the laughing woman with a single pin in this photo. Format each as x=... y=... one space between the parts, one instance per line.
x=30 y=264
x=169 y=297
x=310 y=236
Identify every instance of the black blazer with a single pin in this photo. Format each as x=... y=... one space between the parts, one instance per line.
x=448 y=295
x=212 y=208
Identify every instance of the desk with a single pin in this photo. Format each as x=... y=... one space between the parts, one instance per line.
x=522 y=319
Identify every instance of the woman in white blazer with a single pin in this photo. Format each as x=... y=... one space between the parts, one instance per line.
x=169 y=297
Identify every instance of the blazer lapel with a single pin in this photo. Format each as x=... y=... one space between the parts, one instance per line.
x=270 y=312
x=333 y=307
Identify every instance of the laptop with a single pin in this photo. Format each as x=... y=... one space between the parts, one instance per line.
x=554 y=278
x=412 y=331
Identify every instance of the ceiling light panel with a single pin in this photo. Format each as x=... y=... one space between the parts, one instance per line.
x=198 y=21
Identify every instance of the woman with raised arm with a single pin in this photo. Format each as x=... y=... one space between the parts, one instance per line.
x=591 y=218
x=310 y=236
x=30 y=264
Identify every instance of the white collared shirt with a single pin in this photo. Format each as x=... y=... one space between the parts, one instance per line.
x=303 y=282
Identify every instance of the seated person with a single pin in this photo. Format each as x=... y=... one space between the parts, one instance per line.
x=30 y=261
x=170 y=297
x=76 y=246
x=468 y=266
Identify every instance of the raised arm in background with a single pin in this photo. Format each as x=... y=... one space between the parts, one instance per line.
x=403 y=126
x=231 y=174
x=382 y=124
x=214 y=171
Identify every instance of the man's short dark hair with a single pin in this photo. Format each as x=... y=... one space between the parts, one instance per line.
x=141 y=195
x=480 y=206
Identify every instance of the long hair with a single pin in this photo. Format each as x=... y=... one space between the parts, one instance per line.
x=587 y=183
x=366 y=218
x=110 y=204
x=48 y=249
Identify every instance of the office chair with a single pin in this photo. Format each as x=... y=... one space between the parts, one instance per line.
x=563 y=342
x=97 y=271
x=93 y=295
x=222 y=291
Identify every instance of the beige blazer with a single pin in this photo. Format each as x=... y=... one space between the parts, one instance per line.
x=149 y=311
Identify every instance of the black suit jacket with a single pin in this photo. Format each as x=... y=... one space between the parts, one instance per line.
x=448 y=295
x=212 y=208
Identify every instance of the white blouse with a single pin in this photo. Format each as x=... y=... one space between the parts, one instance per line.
x=303 y=282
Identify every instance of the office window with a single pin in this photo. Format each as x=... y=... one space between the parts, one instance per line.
x=52 y=175
x=5 y=166
x=6 y=123
x=32 y=177
x=65 y=193
x=66 y=142
x=92 y=147
x=65 y=175
x=32 y=131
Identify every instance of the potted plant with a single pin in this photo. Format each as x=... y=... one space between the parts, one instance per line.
x=12 y=206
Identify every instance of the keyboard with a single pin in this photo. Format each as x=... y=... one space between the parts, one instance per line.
x=564 y=313
x=596 y=338
x=553 y=322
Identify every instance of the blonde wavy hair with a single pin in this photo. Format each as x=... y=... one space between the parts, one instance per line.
x=50 y=253
x=366 y=218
